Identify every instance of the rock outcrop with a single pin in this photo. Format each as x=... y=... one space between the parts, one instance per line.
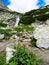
x=41 y=33
x=8 y=17
x=1 y=36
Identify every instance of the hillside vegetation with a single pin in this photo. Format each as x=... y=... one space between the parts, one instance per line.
x=41 y=14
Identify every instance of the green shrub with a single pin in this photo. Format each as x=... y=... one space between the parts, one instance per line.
x=3 y=24
x=41 y=14
x=27 y=20
x=2 y=58
x=6 y=33
x=42 y=17
x=21 y=29
x=23 y=57
x=33 y=42
x=18 y=29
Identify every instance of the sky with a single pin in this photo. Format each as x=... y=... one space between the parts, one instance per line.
x=23 y=6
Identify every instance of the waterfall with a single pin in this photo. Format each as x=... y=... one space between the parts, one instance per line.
x=17 y=21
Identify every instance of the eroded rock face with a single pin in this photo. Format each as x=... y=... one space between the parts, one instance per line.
x=9 y=17
x=41 y=33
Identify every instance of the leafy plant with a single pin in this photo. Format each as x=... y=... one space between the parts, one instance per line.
x=3 y=25
x=21 y=29
x=2 y=58
x=33 y=41
x=6 y=33
x=27 y=20
x=22 y=56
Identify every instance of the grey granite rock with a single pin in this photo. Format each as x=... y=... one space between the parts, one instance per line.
x=1 y=36
x=41 y=33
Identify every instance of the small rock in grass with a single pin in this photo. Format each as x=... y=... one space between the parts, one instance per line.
x=1 y=36
x=9 y=52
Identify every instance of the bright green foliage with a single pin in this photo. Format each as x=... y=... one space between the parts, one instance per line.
x=6 y=33
x=2 y=58
x=23 y=57
x=21 y=29
x=3 y=25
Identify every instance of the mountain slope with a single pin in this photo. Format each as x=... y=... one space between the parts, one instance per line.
x=8 y=17
x=41 y=14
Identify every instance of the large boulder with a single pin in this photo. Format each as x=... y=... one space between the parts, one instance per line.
x=41 y=33
x=43 y=43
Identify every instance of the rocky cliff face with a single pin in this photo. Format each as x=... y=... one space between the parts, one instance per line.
x=8 y=17
x=8 y=20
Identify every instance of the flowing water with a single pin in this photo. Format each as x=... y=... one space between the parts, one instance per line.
x=17 y=21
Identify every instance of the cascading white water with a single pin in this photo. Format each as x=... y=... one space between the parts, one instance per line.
x=17 y=21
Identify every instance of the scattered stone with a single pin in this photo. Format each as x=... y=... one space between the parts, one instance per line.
x=1 y=36
x=15 y=37
x=26 y=40
x=47 y=22
x=13 y=41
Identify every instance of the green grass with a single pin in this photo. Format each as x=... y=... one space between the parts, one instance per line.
x=6 y=33
x=27 y=28
x=3 y=25
x=23 y=57
x=2 y=58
